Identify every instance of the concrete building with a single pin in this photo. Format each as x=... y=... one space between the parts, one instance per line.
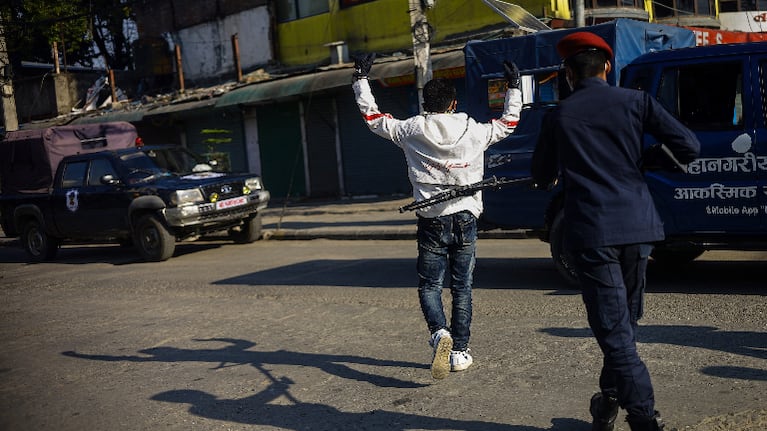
x=292 y=116
x=264 y=85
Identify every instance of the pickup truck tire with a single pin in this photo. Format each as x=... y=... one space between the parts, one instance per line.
x=562 y=261
x=250 y=230
x=152 y=239
x=37 y=243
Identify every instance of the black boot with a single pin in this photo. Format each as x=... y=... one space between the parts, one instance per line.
x=604 y=410
x=645 y=423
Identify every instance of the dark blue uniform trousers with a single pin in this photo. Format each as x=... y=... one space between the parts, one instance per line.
x=613 y=283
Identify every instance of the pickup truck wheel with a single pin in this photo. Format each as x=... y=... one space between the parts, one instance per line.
x=153 y=240
x=37 y=243
x=249 y=231
x=562 y=260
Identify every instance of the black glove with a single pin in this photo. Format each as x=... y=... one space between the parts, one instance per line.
x=362 y=65
x=511 y=72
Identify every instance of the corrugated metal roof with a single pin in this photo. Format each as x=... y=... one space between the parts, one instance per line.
x=179 y=107
x=268 y=91
x=305 y=84
x=128 y=116
x=145 y=111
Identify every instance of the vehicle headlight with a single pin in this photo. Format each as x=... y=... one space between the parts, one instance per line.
x=186 y=197
x=252 y=184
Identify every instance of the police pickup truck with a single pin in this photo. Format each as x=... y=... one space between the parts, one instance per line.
x=718 y=201
x=93 y=183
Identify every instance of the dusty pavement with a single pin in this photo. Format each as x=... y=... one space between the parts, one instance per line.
x=380 y=219
x=203 y=372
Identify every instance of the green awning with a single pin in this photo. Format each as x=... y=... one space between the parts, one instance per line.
x=286 y=87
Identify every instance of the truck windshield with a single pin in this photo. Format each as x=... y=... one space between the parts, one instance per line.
x=151 y=163
x=178 y=160
x=141 y=167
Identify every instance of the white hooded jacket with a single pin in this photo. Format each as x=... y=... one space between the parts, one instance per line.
x=442 y=150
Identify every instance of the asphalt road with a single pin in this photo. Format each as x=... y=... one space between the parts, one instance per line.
x=327 y=335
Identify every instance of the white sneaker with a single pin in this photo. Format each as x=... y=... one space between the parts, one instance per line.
x=460 y=360
x=442 y=343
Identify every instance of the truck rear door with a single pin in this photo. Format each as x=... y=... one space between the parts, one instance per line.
x=759 y=94
x=720 y=100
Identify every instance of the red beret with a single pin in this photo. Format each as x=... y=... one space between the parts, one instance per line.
x=581 y=41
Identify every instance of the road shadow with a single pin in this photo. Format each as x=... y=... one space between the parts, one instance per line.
x=705 y=277
x=276 y=406
x=113 y=254
x=237 y=353
x=261 y=409
x=743 y=343
x=490 y=273
x=538 y=273
x=709 y=276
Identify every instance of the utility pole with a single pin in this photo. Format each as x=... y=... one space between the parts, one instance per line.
x=579 y=12
x=422 y=32
x=10 y=119
x=236 y=55
x=179 y=68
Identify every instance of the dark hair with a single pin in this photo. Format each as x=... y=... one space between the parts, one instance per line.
x=438 y=94
x=586 y=64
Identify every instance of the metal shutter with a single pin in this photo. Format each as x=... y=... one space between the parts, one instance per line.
x=373 y=165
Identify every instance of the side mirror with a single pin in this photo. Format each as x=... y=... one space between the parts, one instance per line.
x=109 y=180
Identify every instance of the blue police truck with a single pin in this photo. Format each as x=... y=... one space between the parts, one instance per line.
x=718 y=202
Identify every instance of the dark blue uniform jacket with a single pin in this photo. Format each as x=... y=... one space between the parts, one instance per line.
x=593 y=139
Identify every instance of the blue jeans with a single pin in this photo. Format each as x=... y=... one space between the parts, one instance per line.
x=613 y=283
x=447 y=243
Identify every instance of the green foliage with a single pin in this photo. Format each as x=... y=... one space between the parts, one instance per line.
x=32 y=26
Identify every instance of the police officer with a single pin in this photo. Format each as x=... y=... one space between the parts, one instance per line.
x=593 y=142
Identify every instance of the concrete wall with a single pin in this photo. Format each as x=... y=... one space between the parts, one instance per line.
x=51 y=95
x=157 y=17
x=383 y=26
x=206 y=49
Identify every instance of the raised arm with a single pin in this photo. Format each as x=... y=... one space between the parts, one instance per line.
x=504 y=125
x=379 y=123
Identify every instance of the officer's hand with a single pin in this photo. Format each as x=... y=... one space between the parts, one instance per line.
x=362 y=65
x=547 y=187
x=511 y=72
x=659 y=157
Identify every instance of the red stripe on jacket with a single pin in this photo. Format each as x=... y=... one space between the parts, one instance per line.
x=375 y=116
x=507 y=123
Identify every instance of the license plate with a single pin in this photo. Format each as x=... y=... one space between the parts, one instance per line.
x=231 y=203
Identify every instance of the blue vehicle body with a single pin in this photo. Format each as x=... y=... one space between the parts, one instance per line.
x=519 y=206
x=721 y=201
x=718 y=91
